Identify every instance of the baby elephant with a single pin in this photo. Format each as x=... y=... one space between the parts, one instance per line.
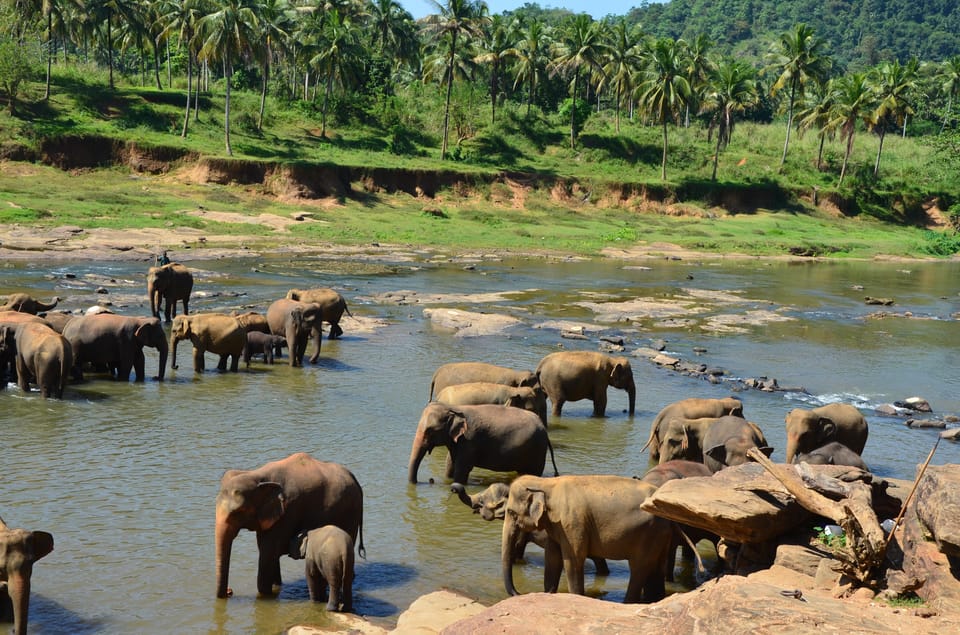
x=833 y=453
x=262 y=344
x=329 y=562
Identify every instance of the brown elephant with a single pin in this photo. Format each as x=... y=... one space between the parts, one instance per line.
x=117 y=341
x=218 y=333
x=8 y=354
x=296 y=321
x=575 y=375
x=43 y=357
x=726 y=442
x=810 y=429
x=169 y=284
x=25 y=303
x=693 y=408
x=498 y=438
x=532 y=398
x=588 y=516
x=279 y=500
x=19 y=549
x=253 y=321
x=328 y=552
x=57 y=319
x=833 y=453
x=332 y=306
x=469 y=372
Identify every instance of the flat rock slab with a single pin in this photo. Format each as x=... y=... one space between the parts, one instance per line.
x=471 y=324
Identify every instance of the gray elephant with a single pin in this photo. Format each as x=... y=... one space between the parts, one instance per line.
x=726 y=441
x=683 y=439
x=215 y=332
x=296 y=321
x=253 y=321
x=57 y=319
x=262 y=344
x=833 y=453
x=8 y=352
x=328 y=552
x=19 y=550
x=25 y=303
x=280 y=500
x=332 y=306
x=532 y=398
x=575 y=375
x=498 y=438
x=117 y=341
x=491 y=504
x=169 y=284
x=693 y=408
x=588 y=516
x=469 y=372
x=43 y=357
x=811 y=429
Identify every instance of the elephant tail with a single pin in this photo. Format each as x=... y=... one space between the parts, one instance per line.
x=556 y=472
x=361 y=550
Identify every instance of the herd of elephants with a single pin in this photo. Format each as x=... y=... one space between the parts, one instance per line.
x=486 y=416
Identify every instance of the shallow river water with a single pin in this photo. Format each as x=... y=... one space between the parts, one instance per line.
x=125 y=475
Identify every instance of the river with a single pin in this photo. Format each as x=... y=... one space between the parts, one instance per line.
x=125 y=475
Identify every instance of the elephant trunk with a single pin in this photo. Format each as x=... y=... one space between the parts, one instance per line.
x=507 y=542
x=225 y=533
x=461 y=493
x=417 y=452
x=41 y=307
x=632 y=396
x=18 y=587
x=173 y=350
x=793 y=443
x=164 y=350
x=154 y=304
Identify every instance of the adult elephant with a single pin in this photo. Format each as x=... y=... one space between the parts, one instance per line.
x=43 y=357
x=25 y=303
x=588 y=516
x=170 y=283
x=491 y=504
x=296 y=321
x=8 y=353
x=575 y=375
x=693 y=408
x=682 y=439
x=58 y=319
x=117 y=341
x=470 y=372
x=279 y=500
x=833 y=453
x=532 y=398
x=499 y=438
x=332 y=306
x=19 y=549
x=726 y=441
x=253 y=321
x=215 y=332
x=810 y=429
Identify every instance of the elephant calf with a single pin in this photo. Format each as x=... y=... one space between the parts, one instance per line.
x=726 y=441
x=476 y=393
x=328 y=552
x=833 y=453
x=262 y=344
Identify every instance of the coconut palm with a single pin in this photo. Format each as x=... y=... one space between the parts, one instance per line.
x=894 y=84
x=579 y=52
x=664 y=89
x=624 y=50
x=530 y=52
x=798 y=58
x=106 y=13
x=180 y=17
x=853 y=103
x=699 y=67
x=449 y=31
x=815 y=113
x=338 y=50
x=276 y=19
x=948 y=77
x=392 y=31
x=731 y=88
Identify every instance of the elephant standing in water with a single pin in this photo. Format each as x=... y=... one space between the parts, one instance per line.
x=332 y=306
x=575 y=375
x=811 y=429
x=726 y=441
x=588 y=516
x=296 y=321
x=117 y=341
x=469 y=372
x=693 y=408
x=170 y=283
x=328 y=552
x=19 y=549
x=476 y=393
x=279 y=501
x=215 y=332
x=43 y=357
x=25 y=303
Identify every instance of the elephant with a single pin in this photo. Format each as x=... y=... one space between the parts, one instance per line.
x=169 y=283
x=692 y=408
x=332 y=306
x=117 y=341
x=253 y=321
x=810 y=429
x=833 y=453
x=726 y=441
x=19 y=549
x=682 y=439
x=215 y=332
x=583 y=516
x=499 y=438
x=491 y=504
x=262 y=344
x=279 y=500
x=468 y=372
x=25 y=303
x=531 y=398
x=296 y=321
x=328 y=552
x=57 y=319
x=8 y=353
x=575 y=375
x=42 y=356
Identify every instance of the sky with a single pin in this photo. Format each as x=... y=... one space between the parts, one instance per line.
x=598 y=9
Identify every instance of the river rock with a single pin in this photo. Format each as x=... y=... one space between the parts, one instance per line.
x=917 y=404
x=937 y=506
x=952 y=434
x=926 y=570
x=471 y=324
x=925 y=423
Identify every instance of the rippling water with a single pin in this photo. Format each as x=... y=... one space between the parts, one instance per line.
x=125 y=475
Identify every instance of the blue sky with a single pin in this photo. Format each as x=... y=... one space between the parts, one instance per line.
x=597 y=9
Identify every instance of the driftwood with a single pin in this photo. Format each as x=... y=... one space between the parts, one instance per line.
x=866 y=545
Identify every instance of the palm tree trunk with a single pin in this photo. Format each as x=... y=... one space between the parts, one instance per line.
x=228 y=76
x=110 y=50
x=156 y=65
x=50 y=53
x=263 y=89
x=573 y=112
x=446 y=107
x=946 y=115
x=876 y=166
x=169 y=71
x=904 y=133
x=186 y=117
x=846 y=158
x=820 y=154
x=196 y=90
x=326 y=100
x=786 y=142
x=716 y=157
x=618 y=108
x=663 y=163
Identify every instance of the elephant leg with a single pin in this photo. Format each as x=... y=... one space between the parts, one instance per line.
x=450 y=468
x=314 y=580
x=222 y=364
x=317 y=334
x=574 y=568
x=186 y=311
x=600 y=564
x=234 y=362
x=335 y=331
x=600 y=403
x=346 y=594
x=139 y=366
x=553 y=567
x=638 y=580
x=23 y=375
x=268 y=571
x=333 y=604
x=198 y=363
x=558 y=405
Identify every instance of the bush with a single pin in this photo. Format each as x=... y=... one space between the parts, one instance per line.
x=940 y=244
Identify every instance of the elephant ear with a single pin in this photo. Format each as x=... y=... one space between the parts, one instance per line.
x=271 y=505
x=41 y=543
x=718 y=453
x=828 y=430
x=458 y=425
x=537 y=507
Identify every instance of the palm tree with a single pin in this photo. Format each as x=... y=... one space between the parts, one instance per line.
x=106 y=13
x=815 y=113
x=392 y=31
x=494 y=52
x=893 y=84
x=337 y=51
x=664 y=88
x=853 y=103
x=181 y=17
x=276 y=17
x=699 y=68
x=227 y=34
x=456 y=22
x=531 y=54
x=949 y=78
x=731 y=88
x=622 y=61
x=798 y=59
x=579 y=52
